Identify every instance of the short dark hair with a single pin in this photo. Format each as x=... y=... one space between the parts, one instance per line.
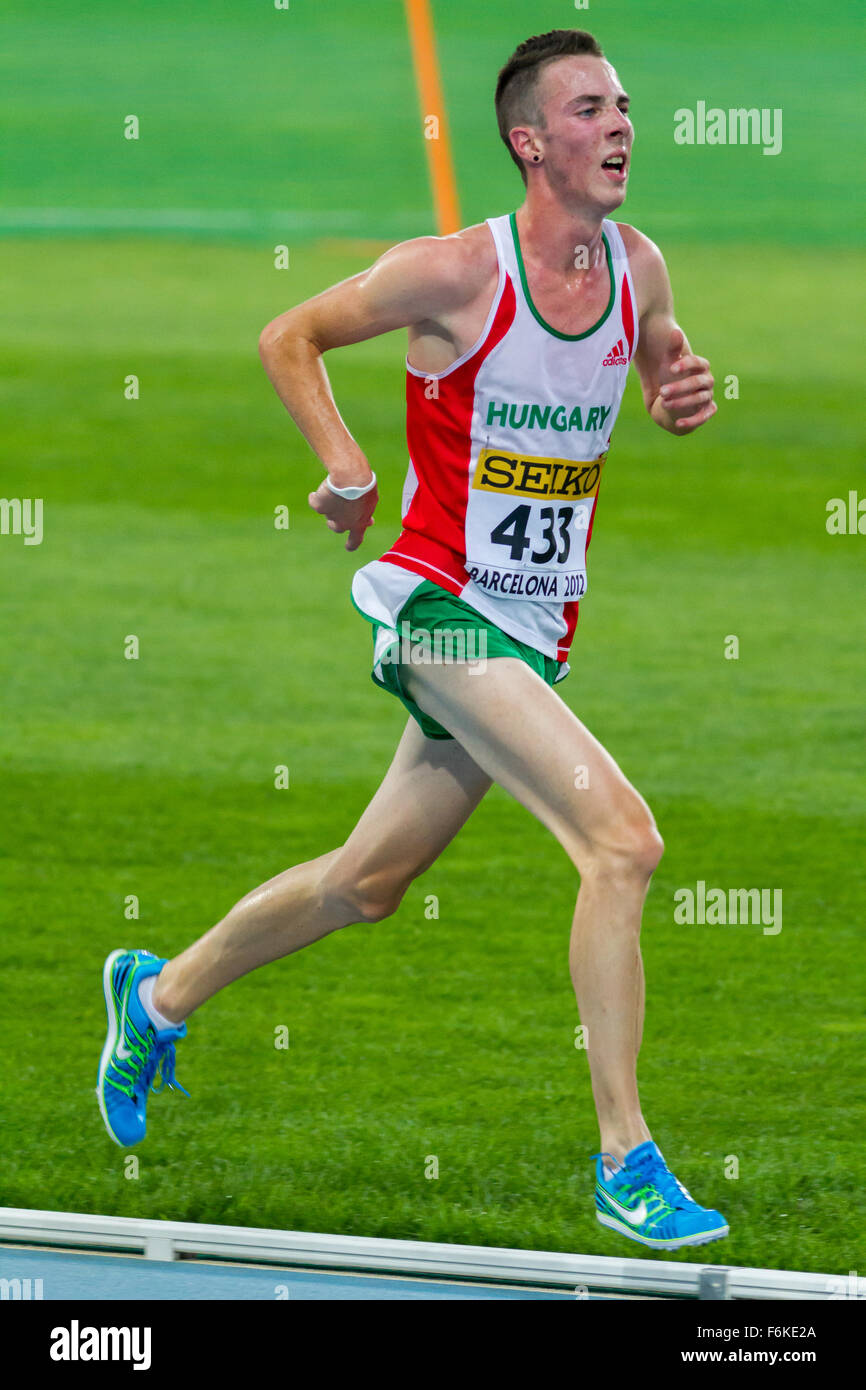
x=517 y=84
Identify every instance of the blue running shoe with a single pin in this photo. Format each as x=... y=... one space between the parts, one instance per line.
x=135 y=1050
x=644 y=1201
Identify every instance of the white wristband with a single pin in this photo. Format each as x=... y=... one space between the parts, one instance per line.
x=352 y=493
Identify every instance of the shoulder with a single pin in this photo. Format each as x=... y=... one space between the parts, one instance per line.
x=640 y=250
x=647 y=265
x=453 y=269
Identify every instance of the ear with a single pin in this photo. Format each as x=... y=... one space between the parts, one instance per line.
x=524 y=143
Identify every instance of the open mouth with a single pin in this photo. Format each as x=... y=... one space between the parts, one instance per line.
x=615 y=165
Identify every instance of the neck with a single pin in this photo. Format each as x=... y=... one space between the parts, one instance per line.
x=552 y=233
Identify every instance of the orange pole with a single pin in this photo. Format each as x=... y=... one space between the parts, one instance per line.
x=432 y=102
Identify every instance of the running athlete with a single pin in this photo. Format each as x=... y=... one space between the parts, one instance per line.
x=521 y=331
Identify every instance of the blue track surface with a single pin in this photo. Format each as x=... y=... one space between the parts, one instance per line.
x=86 y=1277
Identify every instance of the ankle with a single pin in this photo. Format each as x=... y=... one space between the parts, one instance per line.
x=164 y=1001
x=623 y=1141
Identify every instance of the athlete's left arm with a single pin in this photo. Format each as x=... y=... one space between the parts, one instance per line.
x=677 y=385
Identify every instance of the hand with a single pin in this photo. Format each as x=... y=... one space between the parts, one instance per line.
x=343 y=515
x=687 y=393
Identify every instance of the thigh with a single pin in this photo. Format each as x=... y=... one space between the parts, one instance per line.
x=527 y=739
x=429 y=791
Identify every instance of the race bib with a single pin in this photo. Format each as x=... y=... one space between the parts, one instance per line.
x=527 y=522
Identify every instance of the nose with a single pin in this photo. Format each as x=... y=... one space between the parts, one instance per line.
x=619 y=124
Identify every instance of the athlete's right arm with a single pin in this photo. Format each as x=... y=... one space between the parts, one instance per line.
x=412 y=283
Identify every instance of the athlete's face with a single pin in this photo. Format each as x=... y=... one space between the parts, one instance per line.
x=586 y=125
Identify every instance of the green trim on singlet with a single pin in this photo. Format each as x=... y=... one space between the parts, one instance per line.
x=567 y=337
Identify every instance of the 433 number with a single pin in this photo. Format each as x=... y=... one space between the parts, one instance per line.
x=555 y=538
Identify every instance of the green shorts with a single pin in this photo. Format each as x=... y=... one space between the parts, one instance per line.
x=471 y=638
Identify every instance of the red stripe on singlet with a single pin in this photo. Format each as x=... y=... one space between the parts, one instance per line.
x=570 y=611
x=627 y=310
x=439 y=435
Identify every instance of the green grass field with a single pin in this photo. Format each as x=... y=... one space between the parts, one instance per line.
x=451 y=1037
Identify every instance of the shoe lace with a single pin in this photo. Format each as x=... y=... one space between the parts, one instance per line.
x=164 y=1061
x=148 y=1061
x=662 y=1180
x=650 y=1189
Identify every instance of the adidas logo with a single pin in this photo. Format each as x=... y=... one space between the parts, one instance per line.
x=615 y=357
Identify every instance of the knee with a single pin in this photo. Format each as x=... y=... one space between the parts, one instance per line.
x=649 y=849
x=629 y=847
x=357 y=895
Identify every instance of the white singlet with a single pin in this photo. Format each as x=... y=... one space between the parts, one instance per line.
x=506 y=448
